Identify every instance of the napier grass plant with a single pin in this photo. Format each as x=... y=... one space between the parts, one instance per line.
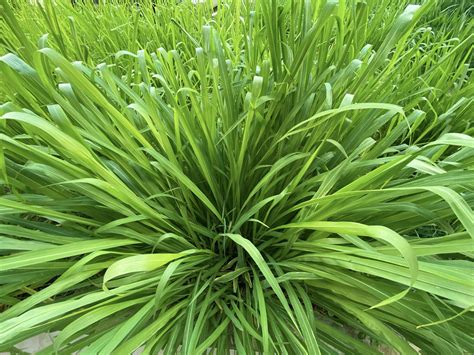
x=281 y=177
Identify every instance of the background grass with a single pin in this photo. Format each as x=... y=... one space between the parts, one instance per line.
x=279 y=177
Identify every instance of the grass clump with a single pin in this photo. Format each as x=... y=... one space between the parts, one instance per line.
x=281 y=177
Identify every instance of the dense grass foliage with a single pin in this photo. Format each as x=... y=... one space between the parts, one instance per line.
x=291 y=177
